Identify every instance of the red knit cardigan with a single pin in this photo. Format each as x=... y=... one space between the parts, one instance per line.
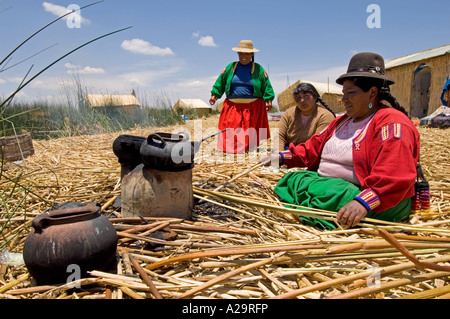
x=385 y=156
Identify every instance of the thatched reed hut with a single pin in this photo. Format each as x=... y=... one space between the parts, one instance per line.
x=419 y=79
x=330 y=93
x=129 y=103
x=201 y=108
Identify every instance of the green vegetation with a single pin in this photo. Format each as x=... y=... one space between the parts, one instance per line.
x=73 y=117
x=44 y=120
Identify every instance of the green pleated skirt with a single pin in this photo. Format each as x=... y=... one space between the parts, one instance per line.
x=308 y=189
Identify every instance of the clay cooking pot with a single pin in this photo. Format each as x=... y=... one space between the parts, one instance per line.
x=78 y=236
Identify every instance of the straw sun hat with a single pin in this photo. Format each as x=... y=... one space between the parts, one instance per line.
x=366 y=64
x=245 y=46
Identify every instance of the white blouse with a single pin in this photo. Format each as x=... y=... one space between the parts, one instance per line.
x=337 y=155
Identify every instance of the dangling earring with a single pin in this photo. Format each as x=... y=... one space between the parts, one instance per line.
x=370 y=105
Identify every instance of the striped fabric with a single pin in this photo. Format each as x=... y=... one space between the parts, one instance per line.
x=369 y=198
x=394 y=130
x=285 y=155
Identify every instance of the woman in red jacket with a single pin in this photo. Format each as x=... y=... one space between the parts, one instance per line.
x=364 y=164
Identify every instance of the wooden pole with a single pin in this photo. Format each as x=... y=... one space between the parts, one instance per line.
x=145 y=277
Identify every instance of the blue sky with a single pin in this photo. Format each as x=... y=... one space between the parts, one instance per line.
x=176 y=49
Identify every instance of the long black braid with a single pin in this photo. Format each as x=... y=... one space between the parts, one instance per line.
x=385 y=94
x=307 y=87
x=325 y=105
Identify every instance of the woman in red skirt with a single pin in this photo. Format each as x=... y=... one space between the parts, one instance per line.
x=249 y=96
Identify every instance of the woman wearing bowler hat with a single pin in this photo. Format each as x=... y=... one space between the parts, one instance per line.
x=364 y=164
x=249 y=96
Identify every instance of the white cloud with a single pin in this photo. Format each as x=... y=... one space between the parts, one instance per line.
x=135 y=82
x=76 y=69
x=193 y=84
x=71 y=66
x=281 y=81
x=140 y=46
x=16 y=80
x=39 y=84
x=47 y=84
x=87 y=70
x=19 y=95
x=195 y=88
x=207 y=41
x=61 y=10
x=146 y=78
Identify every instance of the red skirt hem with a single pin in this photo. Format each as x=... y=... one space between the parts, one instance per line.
x=247 y=123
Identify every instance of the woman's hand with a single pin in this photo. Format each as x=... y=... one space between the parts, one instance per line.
x=212 y=100
x=271 y=158
x=268 y=105
x=351 y=214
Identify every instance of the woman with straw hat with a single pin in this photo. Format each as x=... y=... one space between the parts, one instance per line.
x=249 y=96
x=364 y=164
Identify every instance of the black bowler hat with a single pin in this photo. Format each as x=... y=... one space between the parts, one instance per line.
x=366 y=64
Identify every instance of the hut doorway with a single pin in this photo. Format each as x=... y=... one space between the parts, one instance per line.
x=420 y=91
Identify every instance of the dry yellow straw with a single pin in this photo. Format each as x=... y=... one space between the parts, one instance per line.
x=363 y=275
x=227 y=275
